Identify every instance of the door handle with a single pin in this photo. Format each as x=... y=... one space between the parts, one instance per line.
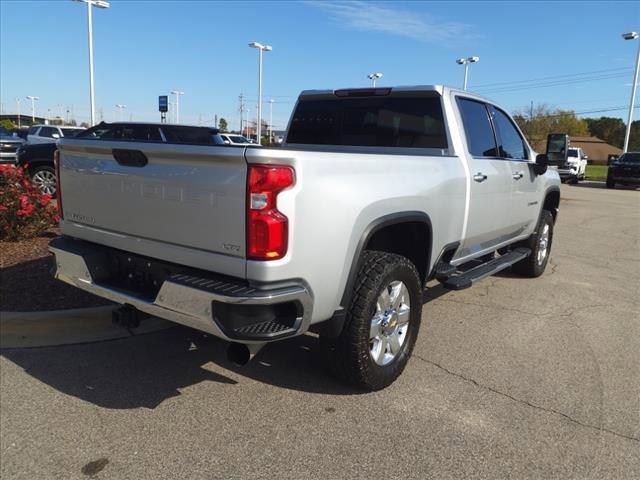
x=479 y=177
x=518 y=175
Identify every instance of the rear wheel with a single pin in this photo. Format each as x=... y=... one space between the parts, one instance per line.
x=540 y=244
x=381 y=325
x=44 y=179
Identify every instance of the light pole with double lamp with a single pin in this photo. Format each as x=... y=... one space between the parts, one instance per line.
x=373 y=77
x=261 y=48
x=634 y=85
x=33 y=107
x=466 y=62
x=177 y=93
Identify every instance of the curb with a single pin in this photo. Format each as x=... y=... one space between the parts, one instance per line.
x=67 y=327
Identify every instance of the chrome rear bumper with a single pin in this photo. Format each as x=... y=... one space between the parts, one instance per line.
x=185 y=299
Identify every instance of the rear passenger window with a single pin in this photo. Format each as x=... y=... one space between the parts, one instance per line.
x=32 y=130
x=477 y=128
x=511 y=144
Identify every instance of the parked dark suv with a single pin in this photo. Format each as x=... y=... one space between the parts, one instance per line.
x=625 y=170
x=37 y=160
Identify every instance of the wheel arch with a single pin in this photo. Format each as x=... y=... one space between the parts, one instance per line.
x=552 y=201
x=415 y=230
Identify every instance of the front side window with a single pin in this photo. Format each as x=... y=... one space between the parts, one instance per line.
x=412 y=122
x=573 y=153
x=477 y=128
x=510 y=144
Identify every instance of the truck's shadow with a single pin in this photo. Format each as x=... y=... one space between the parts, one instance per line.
x=145 y=370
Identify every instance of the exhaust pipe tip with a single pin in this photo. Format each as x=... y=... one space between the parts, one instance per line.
x=240 y=354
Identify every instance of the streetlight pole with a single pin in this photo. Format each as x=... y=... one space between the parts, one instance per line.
x=373 y=77
x=121 y=109
x=18 y=100
x=90 y=5
x=271 y=120
x=466 y=62
x=634 y=85
x=261 y=48
x=33 y=107
x=177 y=93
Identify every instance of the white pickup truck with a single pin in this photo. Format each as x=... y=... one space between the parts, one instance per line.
x=373 y=193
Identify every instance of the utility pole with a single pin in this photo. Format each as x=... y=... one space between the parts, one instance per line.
x=215 y=121
x=531 y=111
x=241 y=110
x=271 y=120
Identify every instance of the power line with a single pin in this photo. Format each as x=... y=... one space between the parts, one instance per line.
x=553 y=83
x=607 y=109
x=607 y=70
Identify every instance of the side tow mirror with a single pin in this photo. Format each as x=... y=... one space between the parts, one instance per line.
x=542 y=162
x=55 y=135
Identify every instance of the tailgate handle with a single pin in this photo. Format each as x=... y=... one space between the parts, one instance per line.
x=129 y=158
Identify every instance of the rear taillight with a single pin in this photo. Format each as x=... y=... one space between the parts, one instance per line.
x=56 y=164
x=267 y=228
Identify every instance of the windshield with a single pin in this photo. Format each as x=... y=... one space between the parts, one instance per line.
x=573 y=153
x=630 y=157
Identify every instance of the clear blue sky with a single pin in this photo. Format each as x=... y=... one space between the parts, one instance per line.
x=144 y=49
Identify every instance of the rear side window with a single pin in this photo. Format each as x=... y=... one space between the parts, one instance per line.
x=572 y=153
x=33 y=130
x=511 y=144
x=477 y=128
x=413 y=122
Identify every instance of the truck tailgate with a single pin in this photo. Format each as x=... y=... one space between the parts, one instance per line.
x=185 y=196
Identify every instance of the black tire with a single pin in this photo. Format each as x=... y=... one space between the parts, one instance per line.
x=573 y=180
x=348 y=355
x=46 y=172
x=610 y=183
x=532 y=266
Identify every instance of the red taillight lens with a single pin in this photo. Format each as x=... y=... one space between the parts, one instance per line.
x=56 y=164
x=267 y=228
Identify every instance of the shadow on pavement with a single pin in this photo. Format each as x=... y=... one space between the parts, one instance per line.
x=145 y=370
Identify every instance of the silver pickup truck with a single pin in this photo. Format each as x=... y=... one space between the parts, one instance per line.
x=373 y=193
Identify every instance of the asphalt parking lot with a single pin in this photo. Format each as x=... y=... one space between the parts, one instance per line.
x=513 y=378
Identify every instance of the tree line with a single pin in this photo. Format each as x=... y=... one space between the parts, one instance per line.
x=540 y=121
